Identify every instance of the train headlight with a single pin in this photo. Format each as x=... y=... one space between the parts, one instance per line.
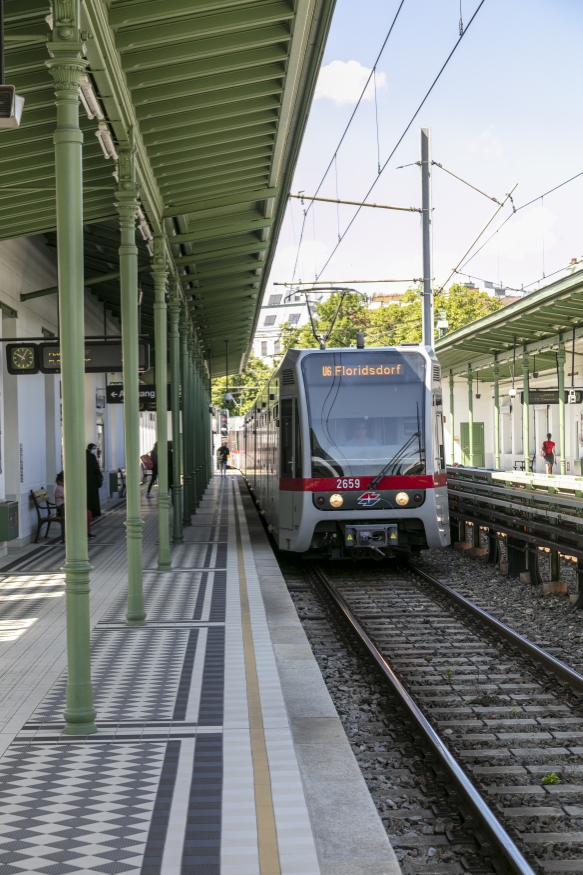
x=402 y=499
x=336 y=500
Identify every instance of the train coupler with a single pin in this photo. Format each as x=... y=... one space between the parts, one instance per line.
x=372 y=536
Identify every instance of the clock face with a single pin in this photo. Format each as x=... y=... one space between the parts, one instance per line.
x=21 y=359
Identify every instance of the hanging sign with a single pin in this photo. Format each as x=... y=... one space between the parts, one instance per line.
x=115 y=395
x=101 y=357
x=551 y=396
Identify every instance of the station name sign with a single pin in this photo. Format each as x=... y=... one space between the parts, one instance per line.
x=101 y=357
x=550 y=396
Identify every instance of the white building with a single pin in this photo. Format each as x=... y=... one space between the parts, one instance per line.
x=280 y=308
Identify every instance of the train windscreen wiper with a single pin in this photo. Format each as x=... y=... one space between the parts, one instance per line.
x=395 y=460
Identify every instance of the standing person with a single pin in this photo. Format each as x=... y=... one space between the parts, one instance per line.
x=547 y=451
x=223 y=453
x=94 y=481
x=154 y=477
x=60 y=494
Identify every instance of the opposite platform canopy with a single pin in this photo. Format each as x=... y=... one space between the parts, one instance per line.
x=217 y=94
x=534 y=321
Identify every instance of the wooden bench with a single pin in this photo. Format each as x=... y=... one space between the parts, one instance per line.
x=519 y=463
x=46 y=513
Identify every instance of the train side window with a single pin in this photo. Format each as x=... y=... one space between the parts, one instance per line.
x=440 y=460
x=298 y=445
x=286 y=438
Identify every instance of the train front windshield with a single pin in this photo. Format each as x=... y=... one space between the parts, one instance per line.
x=366 y=413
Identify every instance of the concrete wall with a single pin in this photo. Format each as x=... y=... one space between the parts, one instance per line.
x=30 y=404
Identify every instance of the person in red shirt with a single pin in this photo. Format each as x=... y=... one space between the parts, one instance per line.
x=547 y=451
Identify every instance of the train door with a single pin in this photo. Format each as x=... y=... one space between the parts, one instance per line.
x=441 y=500
x=297 y=468
x=286 y=450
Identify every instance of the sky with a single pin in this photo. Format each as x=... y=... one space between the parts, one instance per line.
x=506 y=111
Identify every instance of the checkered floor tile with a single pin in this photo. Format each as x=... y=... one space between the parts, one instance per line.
x=136 y=674
x=170 y=597
x=74 y=807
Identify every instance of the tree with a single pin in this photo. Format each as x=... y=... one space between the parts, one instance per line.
x=354 y=316
x=389 y=326
x=251 y=380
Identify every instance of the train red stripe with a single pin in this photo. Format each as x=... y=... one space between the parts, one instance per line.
x=335 y=484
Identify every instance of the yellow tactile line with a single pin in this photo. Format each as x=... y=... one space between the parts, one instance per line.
x=266 y=832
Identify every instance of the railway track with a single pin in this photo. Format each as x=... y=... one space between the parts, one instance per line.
x=473 y=749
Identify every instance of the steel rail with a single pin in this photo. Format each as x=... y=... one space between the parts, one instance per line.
x=548 y=662
x=486 y=818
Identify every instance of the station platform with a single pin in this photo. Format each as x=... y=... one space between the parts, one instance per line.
x=218 y=751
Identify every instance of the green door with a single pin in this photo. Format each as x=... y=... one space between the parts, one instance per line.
x=479 y=456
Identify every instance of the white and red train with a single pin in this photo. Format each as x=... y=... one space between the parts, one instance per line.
x=343 y=451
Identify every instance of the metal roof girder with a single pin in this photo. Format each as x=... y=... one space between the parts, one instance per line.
x=219 y=186
x=254 y=15
x=208 y=115
x=248 y=158
x=213 y=171
x=110 y=78
x=200 y=68
x=208 y=84
x=226 y=231
x=198 y=207
x=190 y=105
x=142 y=11
x=190 y=133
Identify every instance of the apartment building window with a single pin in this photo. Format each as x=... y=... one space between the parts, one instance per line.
x=277 y=347
x=269 y=320
x=294 y=318
x=263 y=347
x=274 y=300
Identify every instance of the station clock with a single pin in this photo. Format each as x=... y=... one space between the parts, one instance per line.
x=22 y=358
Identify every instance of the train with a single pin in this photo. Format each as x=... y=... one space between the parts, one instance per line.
x=343 y=452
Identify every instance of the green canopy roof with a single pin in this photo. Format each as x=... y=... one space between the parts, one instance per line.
x=216 y=94
x=534 y=321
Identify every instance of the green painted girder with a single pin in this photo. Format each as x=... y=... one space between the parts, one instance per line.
x=186 y=137
x=135 y=12
x=222 y=184
x=207 y=285
x=228 y=269
x=225 y=231
x=208 y=293
x=187 y=149
x=216 y=249
x=181 y=52
x=213 y=174
x=243 y=162
x=228 y=251
x=228 y=150
x=35 y=224
x=172 y=167
x=189 y=106
x=207 y=116
x=214 y=205
x=206 y=84
x=202 y=68
x=195 y=27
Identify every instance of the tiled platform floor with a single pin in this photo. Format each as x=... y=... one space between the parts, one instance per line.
x=218 y=751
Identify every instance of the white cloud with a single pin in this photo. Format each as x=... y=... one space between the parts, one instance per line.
x=343 y=81
x=487 y=144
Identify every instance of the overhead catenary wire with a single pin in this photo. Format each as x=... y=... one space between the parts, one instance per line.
x=518 y=209
x=350 y=120
x=403 y=135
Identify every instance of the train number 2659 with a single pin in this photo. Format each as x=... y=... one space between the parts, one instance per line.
x=349 y=483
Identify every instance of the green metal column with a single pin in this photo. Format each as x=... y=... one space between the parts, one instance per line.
x=192 y=426
x=451 y=416
x=174 y=308
x=126 y=204
x=561 y=369
x=186 y=405
x=159 y=274
x=526 y=411
x=496 y=413
x=67 y=66
x=470 y=417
